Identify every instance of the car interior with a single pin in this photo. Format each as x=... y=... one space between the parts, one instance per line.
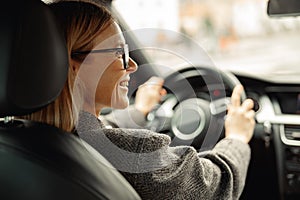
x=197 y=94
x=38 y=161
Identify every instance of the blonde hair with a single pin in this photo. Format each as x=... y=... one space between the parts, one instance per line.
x=82 y=22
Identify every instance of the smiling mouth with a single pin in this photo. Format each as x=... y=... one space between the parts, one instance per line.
x=124 y=84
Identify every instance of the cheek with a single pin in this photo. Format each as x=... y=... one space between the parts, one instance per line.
x=105 y=89
x=108 y=83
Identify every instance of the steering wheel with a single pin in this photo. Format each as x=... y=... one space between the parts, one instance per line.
x=189 y=118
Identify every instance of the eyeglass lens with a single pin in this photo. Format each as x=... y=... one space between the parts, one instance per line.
x=125 y=57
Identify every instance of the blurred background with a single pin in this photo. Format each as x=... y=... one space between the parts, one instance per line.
x=237 y=34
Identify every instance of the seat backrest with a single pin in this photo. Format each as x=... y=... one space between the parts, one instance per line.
x=39 y=161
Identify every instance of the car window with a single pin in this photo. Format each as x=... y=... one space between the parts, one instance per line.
x=237 y=34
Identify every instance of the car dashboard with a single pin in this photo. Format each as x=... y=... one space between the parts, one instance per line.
x=279 y=118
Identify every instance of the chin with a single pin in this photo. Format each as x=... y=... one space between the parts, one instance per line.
x=120 y=104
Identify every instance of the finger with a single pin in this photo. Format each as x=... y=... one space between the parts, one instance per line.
x=154 y=80
x=250 y=114
x=163 y=92
x=236 y=95
x=248 y=104
x=230 y=109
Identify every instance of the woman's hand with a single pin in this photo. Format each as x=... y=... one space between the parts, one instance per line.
x=149 y=94
x=240 y=123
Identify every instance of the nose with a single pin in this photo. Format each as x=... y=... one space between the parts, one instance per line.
x=132 y=66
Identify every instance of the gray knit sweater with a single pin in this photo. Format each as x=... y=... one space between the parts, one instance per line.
x=158 y=171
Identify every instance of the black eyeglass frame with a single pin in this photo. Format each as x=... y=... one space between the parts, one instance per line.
x=124 y=51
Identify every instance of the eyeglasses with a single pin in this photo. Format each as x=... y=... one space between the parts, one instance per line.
x=121 y=51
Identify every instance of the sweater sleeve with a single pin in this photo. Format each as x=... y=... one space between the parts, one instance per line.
x=220 y=174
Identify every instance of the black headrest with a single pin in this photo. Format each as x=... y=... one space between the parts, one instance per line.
x=33 y=57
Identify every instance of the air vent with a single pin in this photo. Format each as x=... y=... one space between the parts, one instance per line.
x=292 y=132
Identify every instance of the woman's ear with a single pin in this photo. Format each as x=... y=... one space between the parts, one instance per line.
x=74 y=66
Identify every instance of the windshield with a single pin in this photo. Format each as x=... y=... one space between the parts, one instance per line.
x=237 y=35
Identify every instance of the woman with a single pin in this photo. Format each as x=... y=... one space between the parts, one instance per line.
x=99 y=72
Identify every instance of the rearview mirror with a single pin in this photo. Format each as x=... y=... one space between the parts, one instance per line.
x=282 y=8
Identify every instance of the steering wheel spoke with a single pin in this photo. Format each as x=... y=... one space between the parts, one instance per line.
x=160 y=117
x=219 y=106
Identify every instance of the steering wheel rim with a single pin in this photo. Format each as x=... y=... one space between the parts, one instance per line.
x=191 y=120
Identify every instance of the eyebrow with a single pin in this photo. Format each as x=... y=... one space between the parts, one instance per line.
x=115 y=44
x=121 y=43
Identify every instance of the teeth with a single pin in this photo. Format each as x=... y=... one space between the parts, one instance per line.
x=124 y=83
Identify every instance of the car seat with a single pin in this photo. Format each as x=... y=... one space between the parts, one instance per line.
x=39 y=161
